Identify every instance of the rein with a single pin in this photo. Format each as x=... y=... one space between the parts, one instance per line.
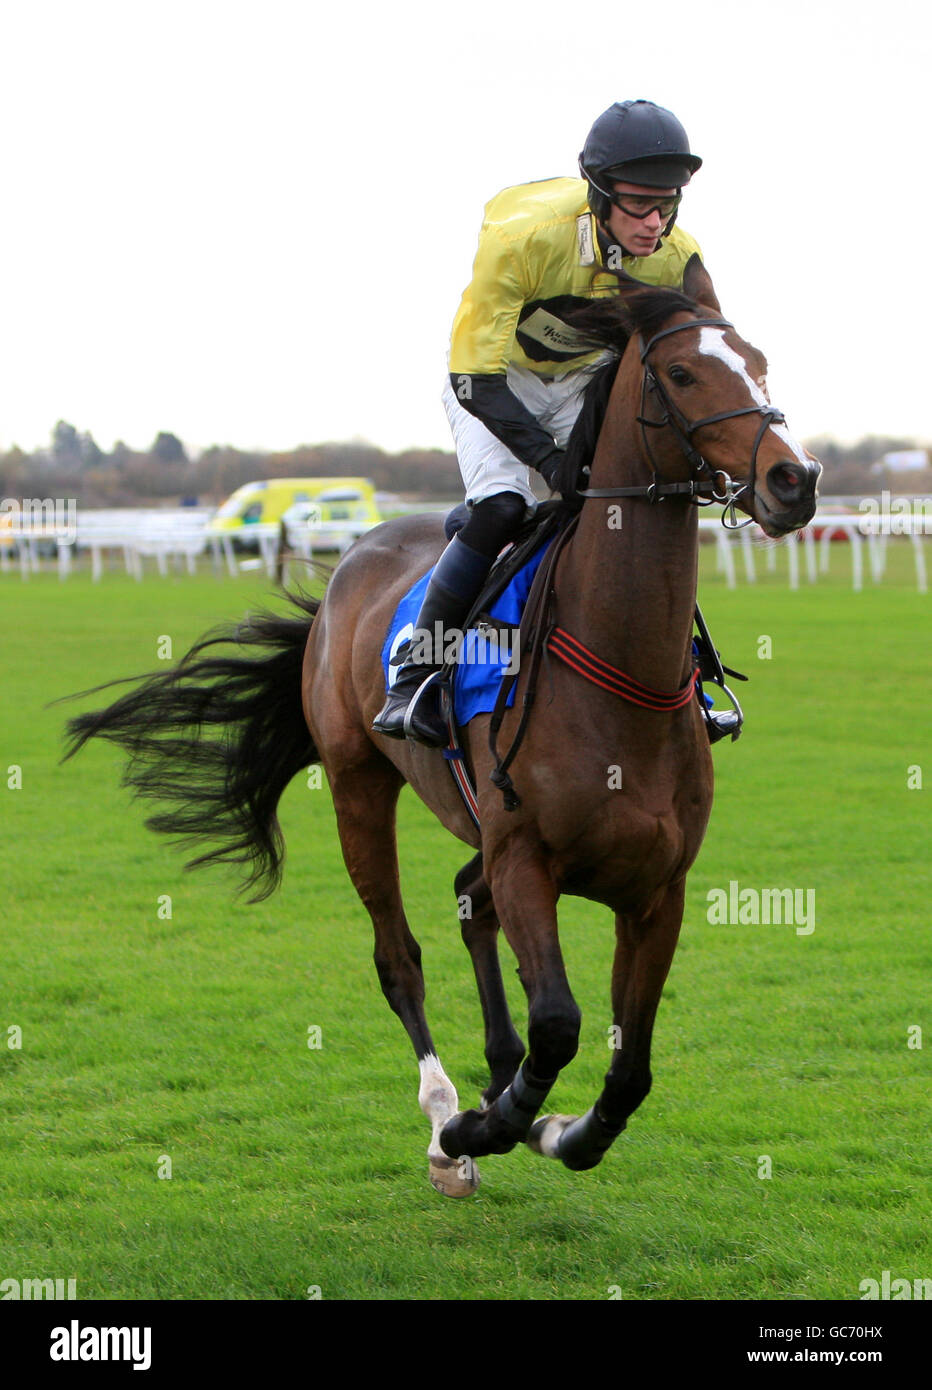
x=545 y=636
x=538 y=617
x=543 y=633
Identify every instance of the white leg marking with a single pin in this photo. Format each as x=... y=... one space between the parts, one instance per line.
x=545 y=1134
x=454 y=1177
x=437 y=1098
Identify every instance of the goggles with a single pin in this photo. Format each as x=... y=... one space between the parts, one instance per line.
x=641 y=206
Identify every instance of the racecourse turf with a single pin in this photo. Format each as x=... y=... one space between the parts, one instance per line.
x=155 y=1045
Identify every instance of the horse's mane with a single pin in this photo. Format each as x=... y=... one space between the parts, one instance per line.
x=610 y=324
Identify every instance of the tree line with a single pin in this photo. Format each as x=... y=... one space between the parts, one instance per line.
x=72 y=465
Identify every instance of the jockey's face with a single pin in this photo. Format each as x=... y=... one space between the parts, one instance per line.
x=638 y=236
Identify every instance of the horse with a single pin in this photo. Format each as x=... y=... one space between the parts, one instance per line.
x=678 y=416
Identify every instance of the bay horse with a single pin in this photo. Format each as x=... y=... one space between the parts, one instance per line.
x=220 y=736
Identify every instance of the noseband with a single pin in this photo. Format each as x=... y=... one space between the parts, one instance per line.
x=718 y=487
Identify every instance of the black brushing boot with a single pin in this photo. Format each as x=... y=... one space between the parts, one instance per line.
x=454 y=586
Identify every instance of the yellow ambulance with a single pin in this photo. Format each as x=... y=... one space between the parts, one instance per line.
x=348 y=500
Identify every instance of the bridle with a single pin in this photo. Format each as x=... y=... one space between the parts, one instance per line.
x=701 y=491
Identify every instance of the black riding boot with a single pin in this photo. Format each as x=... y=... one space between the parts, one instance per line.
x=454 y=586
x=722 y=724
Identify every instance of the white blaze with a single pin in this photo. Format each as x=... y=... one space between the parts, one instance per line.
x=712 y=343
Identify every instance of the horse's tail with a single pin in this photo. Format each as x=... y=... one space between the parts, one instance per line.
x=218 y=738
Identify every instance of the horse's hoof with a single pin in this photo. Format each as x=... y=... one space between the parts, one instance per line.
x=545 y=1134
x=453 y=1177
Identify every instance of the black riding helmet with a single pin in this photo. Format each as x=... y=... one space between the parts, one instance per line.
x=638 y=142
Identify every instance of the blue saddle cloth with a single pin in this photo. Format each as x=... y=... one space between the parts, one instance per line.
x=484 y=658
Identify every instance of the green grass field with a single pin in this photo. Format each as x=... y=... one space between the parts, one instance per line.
x=147 y=1039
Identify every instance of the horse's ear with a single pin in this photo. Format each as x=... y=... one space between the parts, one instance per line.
x=697 y=284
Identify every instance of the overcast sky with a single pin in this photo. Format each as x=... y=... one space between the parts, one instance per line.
x=251 y=223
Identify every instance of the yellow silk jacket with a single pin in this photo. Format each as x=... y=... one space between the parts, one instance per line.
x=539 y=256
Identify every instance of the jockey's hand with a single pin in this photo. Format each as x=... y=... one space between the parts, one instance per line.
x=550 y=467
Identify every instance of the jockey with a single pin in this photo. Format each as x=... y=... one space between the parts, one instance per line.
x=517 y=368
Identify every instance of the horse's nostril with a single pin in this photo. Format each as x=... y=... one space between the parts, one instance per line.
x=786 y=481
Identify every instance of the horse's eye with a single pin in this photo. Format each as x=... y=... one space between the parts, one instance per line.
x=680 y=376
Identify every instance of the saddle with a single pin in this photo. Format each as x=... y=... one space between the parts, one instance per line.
x=534 y=533
x=552 y=522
